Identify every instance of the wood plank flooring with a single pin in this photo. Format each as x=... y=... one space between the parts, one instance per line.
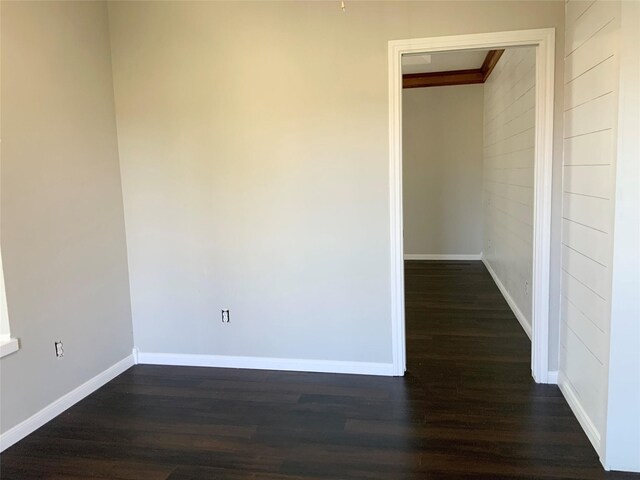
x=467 y=409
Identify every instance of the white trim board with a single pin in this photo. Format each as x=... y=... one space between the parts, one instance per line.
x=512 y=304
x=266 y=363
x=578 y=410
x=445 y=256
x=8 y=345
x=544 y=41
x=58 y=406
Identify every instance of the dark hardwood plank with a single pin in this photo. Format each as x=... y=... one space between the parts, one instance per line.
x=467 y=409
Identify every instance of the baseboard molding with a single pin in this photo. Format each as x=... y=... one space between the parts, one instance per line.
x=552 y=377
x=437 y=256
x=514 y=308
x=55 y=408
x=266 y=363
x=583 y=418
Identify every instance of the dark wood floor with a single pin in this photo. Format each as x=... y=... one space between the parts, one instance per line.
x=467 y=408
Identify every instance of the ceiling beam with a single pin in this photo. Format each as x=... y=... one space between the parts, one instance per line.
x=439 y=79
x=490 y=62
x=453 y=77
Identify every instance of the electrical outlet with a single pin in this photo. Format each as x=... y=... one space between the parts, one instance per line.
x=59 y=348
x=226 y=318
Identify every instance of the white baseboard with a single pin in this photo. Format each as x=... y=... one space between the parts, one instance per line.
x=266 y=363
x=437 y=256
x=572 y=399
x=514 y=308
x=552 y=377
x=55 y=408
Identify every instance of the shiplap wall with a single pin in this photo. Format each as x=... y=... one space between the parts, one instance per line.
x=509 y=135
x=591 y=78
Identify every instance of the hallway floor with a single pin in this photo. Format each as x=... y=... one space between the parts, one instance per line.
x=467 y=409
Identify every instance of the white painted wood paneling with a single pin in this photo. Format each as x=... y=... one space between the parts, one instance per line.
x=593 y=149
x=598 y=114
x=592 y=84
x=589 y=180
x=590 y=303
x=588 y=241
x=580 y=367
x=591 y=211
x=576 y=8
x=591 y=53
x=587 y=331
x=587 y=271
x=592 y=20
x=590 y=121
x=509 y=137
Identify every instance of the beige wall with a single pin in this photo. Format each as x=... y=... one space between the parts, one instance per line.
x=63 y=241
x=442 y=170
x=254 y=151
x=509 y=138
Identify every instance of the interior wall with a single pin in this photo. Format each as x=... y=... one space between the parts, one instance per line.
x=592 y=75
x=267 y=193
x=63 y=240
x=442 y=170
x=509 y=138
x=600 y=335
x=622 y=448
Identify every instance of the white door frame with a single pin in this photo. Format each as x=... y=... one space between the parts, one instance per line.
x=544 y=41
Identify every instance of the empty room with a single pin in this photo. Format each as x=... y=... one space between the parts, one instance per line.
x=319 y=239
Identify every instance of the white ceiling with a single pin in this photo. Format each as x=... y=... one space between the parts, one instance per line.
x=443 y=62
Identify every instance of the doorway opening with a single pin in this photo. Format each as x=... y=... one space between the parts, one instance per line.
x=541 y=46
